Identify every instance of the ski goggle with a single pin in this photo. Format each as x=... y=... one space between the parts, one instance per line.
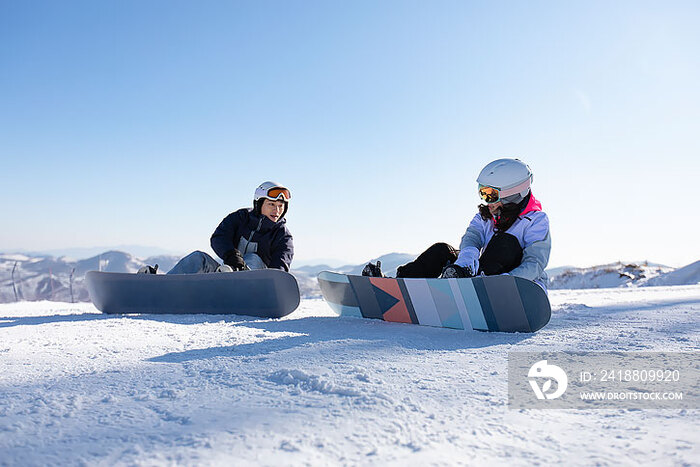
x=493 y=195
x=489 y=194
x=278 y=192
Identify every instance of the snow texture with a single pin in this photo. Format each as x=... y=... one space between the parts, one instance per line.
x=79 y=387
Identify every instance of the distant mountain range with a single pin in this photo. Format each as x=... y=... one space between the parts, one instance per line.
x=45 y=277
x=620 y=274
x=638 y=274
x=62 y=279
x=140 y=251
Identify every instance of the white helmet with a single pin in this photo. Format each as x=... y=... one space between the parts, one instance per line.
x=506 y=180
x=273 y=191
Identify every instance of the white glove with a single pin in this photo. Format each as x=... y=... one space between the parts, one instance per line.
x=469 y=259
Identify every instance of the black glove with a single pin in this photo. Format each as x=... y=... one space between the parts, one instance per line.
x=234 y=259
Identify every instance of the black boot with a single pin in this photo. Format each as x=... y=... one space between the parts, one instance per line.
x=373 y=270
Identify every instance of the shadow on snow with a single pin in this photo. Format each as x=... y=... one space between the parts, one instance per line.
x=356 y=333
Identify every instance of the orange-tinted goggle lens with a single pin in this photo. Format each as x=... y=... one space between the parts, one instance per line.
x=276 y=192
x=489 y=194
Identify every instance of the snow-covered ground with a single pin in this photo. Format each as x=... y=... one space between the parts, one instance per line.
x=80 y=387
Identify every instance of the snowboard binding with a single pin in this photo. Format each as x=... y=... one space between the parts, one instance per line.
x=373 y=270
x=454 y=271
x=148 y=270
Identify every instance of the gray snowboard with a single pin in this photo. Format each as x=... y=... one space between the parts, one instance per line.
x=267 y=293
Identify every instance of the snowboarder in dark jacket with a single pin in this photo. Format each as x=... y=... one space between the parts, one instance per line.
x=254 y=238
x=260 y=231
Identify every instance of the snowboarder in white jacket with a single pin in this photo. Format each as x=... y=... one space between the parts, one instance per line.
x=509 y=234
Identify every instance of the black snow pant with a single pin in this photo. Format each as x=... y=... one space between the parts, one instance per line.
x=429 y=263
x=502 y=254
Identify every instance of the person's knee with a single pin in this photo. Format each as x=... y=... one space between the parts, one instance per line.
x=442 y=251
x=502 y=254
x=441 y=247
x=430 y=262
x=200 y=257
x=195 y=254
x=254 y=261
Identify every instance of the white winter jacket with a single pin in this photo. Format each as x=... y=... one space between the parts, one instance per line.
x=532 y=231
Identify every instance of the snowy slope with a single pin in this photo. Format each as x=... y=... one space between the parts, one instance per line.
x=687 y=275
x=608 y=275
x=79 y=387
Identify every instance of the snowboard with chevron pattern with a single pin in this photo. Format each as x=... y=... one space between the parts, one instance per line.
x=487 y=303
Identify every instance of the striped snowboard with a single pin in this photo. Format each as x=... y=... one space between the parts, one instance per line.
x=494 y=303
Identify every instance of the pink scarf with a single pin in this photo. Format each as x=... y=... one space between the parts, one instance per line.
x=532 y=205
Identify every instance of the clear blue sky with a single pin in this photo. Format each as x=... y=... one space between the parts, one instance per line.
x=146 y=122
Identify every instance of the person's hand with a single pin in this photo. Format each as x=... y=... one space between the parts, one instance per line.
x=469 y=259
x=235 y=260
x=471 y=265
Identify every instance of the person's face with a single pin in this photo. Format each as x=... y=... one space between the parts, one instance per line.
x=495 y=207
x=272 y=209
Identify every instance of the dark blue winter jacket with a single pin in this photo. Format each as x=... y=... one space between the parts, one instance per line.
x=250 y=232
